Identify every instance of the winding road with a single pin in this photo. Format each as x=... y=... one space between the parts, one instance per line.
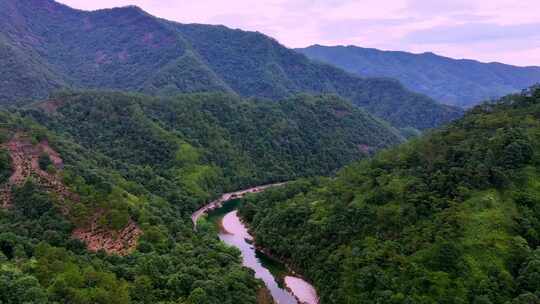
x=227 y=197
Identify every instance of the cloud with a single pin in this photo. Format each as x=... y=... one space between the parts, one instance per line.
x=431 y=7
x=473 y=33
x=347 y=29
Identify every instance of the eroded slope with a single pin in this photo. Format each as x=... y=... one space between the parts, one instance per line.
x=25 y=161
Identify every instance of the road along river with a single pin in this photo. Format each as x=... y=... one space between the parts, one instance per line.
x=218 y=203
x=285 y=287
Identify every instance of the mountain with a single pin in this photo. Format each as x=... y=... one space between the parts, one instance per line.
x=452 y=217
x=97 y=188
x=250 y=141
x=46 y=45
x=463 y=83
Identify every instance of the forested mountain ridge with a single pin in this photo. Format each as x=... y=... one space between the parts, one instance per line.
x=48 y=45
x=463 y=83
x=451 y=217
x=121 y=173
x=253 y=141
x=283 y=71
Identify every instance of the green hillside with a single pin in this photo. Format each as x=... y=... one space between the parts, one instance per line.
x=117 y=128
x=453 y=217
x=97 y=189
x=244 y=142
x=49 y=45
x=42 y=261
x=463 y=83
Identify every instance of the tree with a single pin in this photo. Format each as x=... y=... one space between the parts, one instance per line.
x=16 y=287
x=44 y=161
x=526 y=298
x=198 y=296
x=529 y=274
x=30 y=201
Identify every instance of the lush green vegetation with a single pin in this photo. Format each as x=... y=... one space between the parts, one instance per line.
x=453 y=217
x=205 y=144
x=40 y=262
x=462 y=83
x=5 y=165
x=273 y=71
x=155 y=160
x=48 y=45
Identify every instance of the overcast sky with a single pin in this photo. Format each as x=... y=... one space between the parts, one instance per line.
x=488 y=30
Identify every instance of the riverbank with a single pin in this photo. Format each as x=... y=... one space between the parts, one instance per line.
x=305 y=292
x=264 y=296
x=218 y=203
x=295 y=289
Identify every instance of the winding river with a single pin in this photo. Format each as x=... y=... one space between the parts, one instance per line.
x=284 y=288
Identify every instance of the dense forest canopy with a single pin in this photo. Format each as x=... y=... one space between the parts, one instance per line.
x=201 y=138
x=121 y=124
x=109 y=164
x=452 y=217
x=41 y=261
x=45 y=45
x=463 y=82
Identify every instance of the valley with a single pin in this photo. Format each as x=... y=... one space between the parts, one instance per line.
x=144 y=160
x=136 y=169
x=234 y=233
x=290 y=289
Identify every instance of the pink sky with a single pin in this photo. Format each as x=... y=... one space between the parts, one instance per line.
x=487 y=30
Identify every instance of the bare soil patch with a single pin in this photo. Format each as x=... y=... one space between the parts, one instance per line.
x=25 y=164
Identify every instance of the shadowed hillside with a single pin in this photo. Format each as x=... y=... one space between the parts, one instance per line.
x=463 y=83
x=47 y=45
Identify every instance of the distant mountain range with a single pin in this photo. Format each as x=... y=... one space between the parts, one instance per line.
x=46 y=46
x=462 y=82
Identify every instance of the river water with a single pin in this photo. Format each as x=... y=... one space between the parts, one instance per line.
x=290 y=289
x=234 y=233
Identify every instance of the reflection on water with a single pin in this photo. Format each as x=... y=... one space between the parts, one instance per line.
x=302 y=289
x=234 y=233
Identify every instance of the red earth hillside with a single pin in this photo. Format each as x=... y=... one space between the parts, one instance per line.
x=25 y=164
